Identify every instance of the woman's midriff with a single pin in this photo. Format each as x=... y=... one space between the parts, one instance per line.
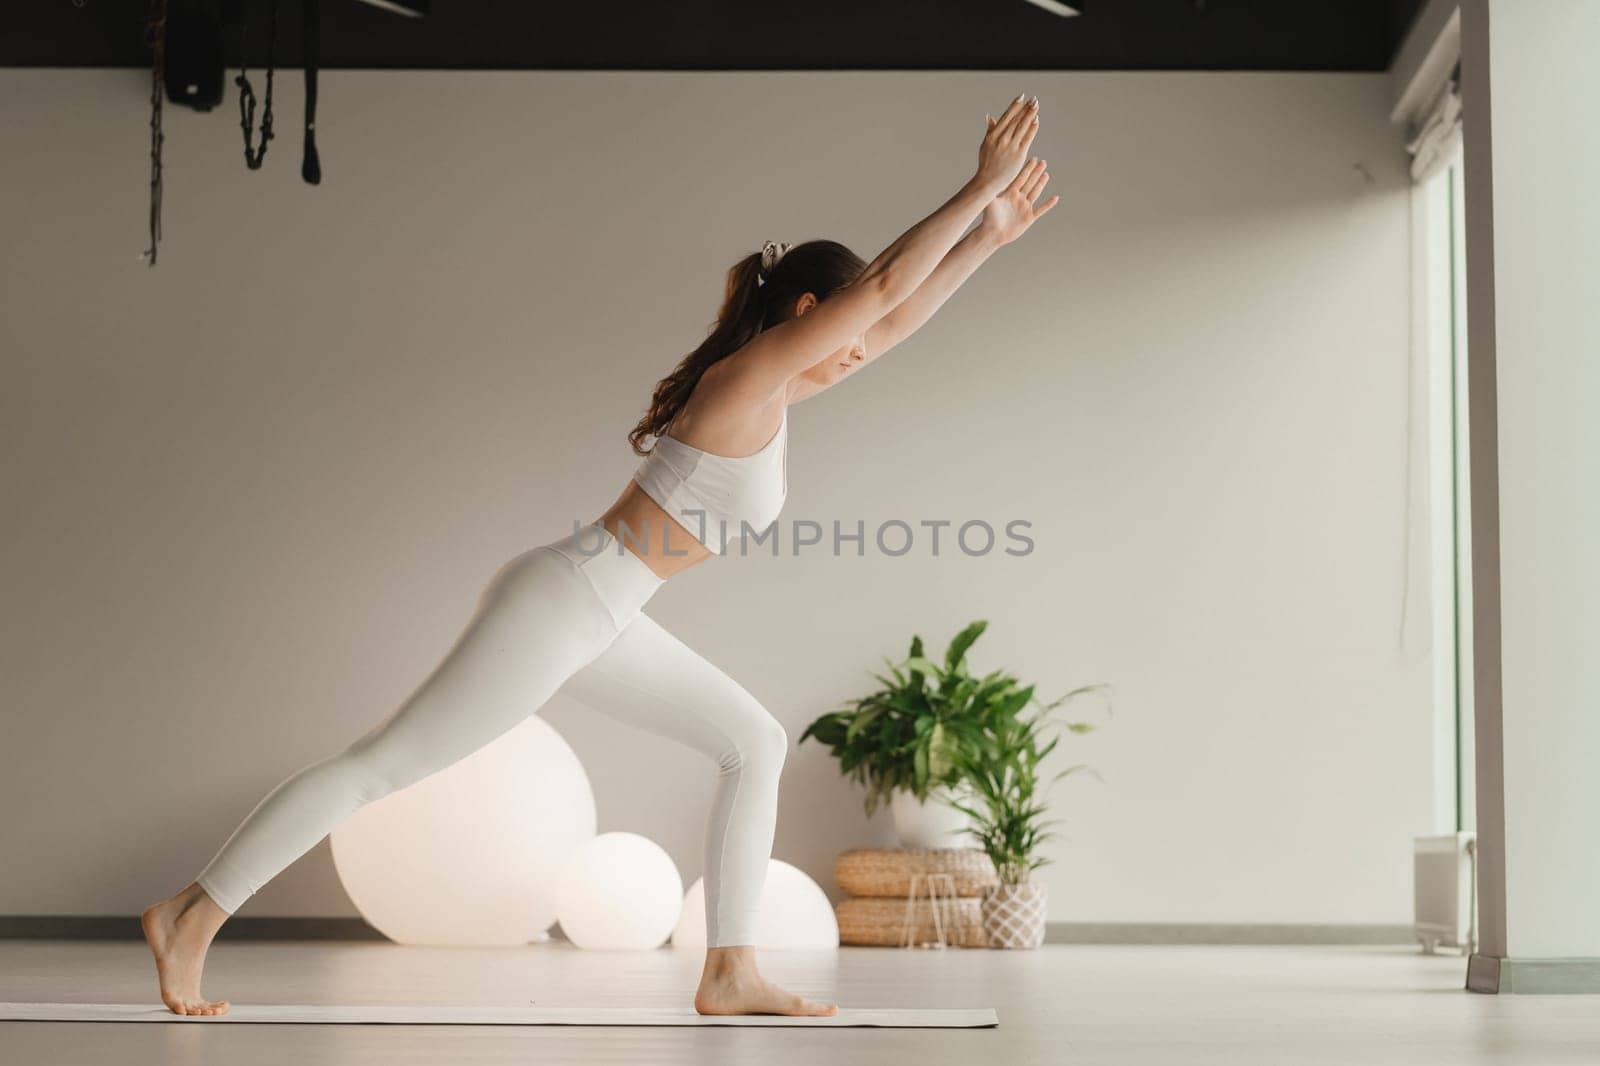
x=648 y=531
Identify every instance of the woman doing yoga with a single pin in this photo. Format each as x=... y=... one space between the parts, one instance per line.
x=567 y=614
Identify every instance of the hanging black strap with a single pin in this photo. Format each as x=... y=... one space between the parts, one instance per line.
x=311 y=166
x=253 y=156
x=156 y=38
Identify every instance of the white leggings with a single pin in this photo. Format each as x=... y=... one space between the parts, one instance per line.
x=552 y=618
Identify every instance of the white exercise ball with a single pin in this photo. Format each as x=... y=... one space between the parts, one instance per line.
x=470 y=856
x=795 y=913
x=618 y=892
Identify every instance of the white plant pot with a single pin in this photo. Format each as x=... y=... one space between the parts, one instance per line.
x=1013 y=916
x=934 y=824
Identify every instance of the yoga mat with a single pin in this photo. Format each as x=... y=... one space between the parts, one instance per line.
x=387 y=1014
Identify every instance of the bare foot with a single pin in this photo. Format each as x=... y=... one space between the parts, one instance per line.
x=179 y=930
x=731 y=984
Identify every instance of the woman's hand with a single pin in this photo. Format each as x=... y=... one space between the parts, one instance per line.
x=1005 y=143
x=1009 y=214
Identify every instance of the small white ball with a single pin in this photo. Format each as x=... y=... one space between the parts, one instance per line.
x=618 y=892
x=795 y=913
x=470 y=855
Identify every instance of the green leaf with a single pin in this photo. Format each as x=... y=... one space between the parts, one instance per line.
x=939 y=756
x=1014 y=702
x=963 y=640
x=1086 y=690
x=862 y=721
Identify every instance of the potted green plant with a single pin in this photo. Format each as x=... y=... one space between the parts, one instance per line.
x=908 y=741
x=1008 y=810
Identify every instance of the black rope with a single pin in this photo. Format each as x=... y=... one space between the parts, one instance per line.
x=253 y=156
x=311 y=164
x=156 y=38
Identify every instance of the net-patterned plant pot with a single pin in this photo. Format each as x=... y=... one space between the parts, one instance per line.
x=881 y=921
x=1013 y=916
x=889 y=871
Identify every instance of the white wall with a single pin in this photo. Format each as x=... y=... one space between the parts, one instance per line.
x=252 y=494
x=1533 y=257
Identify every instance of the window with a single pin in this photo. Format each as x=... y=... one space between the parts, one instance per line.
x=1441 y=244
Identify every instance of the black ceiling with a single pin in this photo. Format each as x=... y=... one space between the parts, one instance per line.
x=761 y=35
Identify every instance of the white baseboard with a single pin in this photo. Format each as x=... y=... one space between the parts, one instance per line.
x=90 y=927
x=1224 y=933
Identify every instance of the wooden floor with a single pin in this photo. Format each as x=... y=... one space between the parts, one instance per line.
x=1148 y=1005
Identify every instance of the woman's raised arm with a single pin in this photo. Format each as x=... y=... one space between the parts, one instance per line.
x=776 y=355
x=1007 y=217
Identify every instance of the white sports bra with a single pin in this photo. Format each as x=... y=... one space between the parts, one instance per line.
x=718 y=498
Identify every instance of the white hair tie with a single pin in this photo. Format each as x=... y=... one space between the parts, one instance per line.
x=771 y=253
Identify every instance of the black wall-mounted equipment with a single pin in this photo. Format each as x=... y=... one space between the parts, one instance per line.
x=185 y=38
x=194 y=60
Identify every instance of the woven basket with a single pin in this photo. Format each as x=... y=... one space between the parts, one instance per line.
x=881 y=922
x=1013 y=916
x=887 y=872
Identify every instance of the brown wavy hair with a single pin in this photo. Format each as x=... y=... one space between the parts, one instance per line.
x=750 y=304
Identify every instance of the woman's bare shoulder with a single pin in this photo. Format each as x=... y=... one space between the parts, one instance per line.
x=725 y=417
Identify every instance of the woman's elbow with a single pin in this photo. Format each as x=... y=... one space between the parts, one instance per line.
x=889 y=288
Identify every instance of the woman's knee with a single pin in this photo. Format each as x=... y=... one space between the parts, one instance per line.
x=764 y=743
x=373 y=771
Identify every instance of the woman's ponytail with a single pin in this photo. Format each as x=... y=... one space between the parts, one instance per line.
x=752 y=301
